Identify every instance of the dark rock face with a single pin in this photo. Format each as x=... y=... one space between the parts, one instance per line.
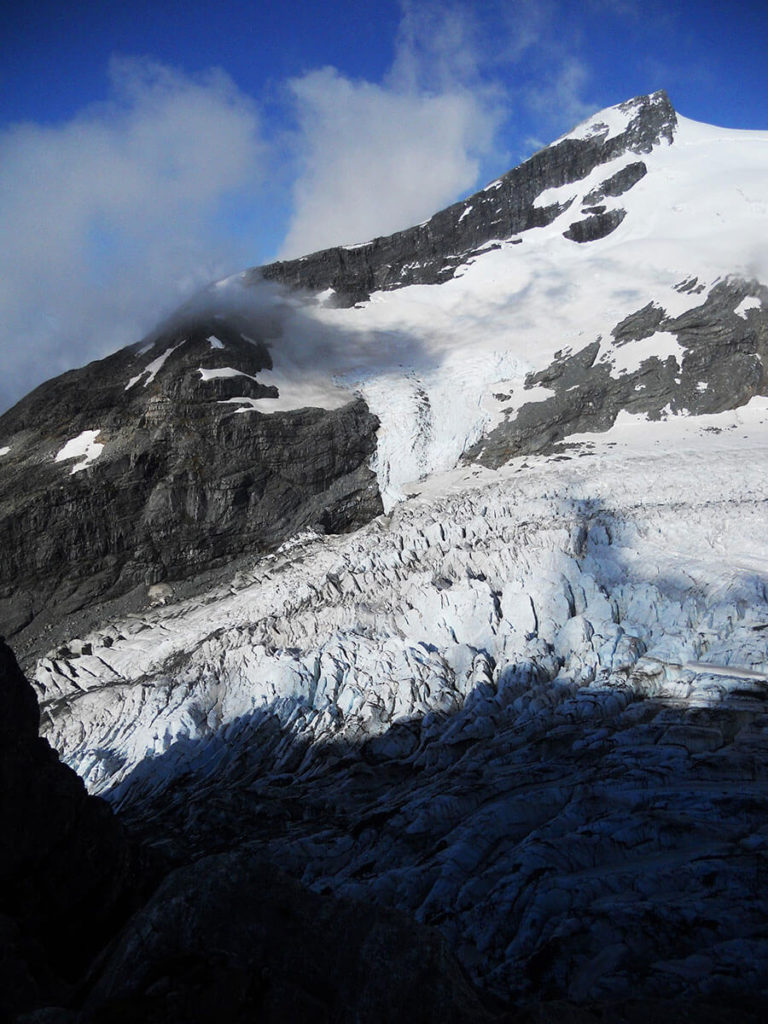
x=722 y=366
x=68 y=874
x=184 y=482
x=431 y=252
x=597 y=225
x=618 y=183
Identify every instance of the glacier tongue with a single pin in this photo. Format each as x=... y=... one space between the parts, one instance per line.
x=491 y=708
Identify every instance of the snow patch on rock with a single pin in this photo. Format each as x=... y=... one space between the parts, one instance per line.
x=223 y=372
x=629 y=357
x=747 y=303
x=84 y=446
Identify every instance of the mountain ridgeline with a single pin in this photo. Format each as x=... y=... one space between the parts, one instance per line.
x=406 y=604
x=165 y=462
x=433 y=251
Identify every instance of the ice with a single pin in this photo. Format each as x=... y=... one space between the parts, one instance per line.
x=555 y=674
x=750 y=302
x=84 y=446
x=222 y=371
x=628 y=357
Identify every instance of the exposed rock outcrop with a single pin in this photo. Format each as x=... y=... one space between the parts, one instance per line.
x=431 y=252
x=719 y=360
x=137 y=469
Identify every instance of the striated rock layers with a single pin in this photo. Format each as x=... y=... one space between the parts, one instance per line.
x=137 y=469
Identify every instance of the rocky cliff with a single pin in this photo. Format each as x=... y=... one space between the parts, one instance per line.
x=138 y=469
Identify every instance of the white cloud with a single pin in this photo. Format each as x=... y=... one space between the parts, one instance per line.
x=559 y=102
x=110 y=219
x=376 y=158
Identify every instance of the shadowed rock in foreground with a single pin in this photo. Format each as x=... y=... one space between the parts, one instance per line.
x=69 y=876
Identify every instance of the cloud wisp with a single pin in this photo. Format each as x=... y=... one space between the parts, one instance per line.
x=378 y=157
x=111 y=218
x=116 y=217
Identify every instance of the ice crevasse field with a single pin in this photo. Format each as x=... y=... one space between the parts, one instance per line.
x=527 y=704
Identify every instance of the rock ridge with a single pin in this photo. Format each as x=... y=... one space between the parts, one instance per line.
x=431 y=252
x=172 y=472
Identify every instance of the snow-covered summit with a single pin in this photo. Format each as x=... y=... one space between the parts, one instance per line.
x=615 y=121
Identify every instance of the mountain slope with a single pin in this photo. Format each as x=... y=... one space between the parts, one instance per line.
x=525 y=704
x=584 y=282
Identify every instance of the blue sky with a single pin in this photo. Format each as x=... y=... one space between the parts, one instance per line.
x=146 y=148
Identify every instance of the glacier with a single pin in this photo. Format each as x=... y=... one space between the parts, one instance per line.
x=522 y=699
x=527 y=706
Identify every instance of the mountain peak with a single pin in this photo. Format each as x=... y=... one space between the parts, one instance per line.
x=430 y=253
x=641 y=122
